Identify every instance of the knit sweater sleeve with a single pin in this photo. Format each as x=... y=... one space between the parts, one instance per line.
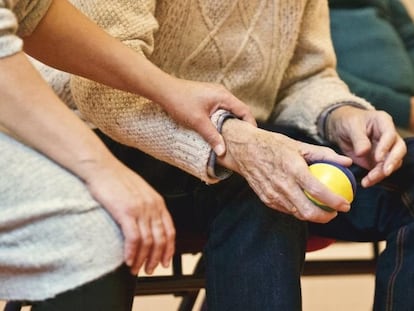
x=129 y=119
x=311 y=83
x=10 y=43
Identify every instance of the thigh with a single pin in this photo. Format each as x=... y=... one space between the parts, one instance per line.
x=379 y=210
x=53 y=235
x=254 y=257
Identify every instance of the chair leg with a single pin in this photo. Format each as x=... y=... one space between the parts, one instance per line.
x=188 y=300
x=13 y=306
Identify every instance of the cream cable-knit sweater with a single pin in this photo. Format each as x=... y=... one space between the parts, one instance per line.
x=275 y=55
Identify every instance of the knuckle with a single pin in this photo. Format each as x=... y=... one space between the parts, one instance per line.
x=307 y=214
x=160 y=240
x=134 y=238
x=147 y=240
x=171 y=234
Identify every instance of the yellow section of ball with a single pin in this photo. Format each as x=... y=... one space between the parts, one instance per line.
x=333 y=178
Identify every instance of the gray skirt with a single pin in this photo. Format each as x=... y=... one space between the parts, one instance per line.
x=53 y=235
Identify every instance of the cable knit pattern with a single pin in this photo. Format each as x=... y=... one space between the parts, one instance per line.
x=274 y=55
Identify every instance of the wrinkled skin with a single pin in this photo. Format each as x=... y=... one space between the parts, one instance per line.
x=276 y=166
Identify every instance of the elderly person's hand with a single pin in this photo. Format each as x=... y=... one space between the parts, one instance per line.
x=276 y=167
x=139 y=210
x=369 y=137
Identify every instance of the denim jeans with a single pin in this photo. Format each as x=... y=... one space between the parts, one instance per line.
x=254 y=255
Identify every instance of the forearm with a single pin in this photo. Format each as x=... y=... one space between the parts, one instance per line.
x=311 y=84
x=31 y=112
x=139 y=123
x=239 y=146
x=67 y=40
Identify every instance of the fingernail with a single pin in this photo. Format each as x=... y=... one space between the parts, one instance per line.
x=219 y=150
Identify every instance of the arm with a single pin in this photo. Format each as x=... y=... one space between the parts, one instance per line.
x=134 y=120
x=111 y=63
x=42 y=119
x=366 y=135
x=311 y=83
x=31 y=112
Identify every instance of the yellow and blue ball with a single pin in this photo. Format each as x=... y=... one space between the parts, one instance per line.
x=337 y=178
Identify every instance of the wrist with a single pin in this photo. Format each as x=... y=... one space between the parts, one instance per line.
x=96 y=162
x=236 y=143
x=221 y=171
x=324 y=122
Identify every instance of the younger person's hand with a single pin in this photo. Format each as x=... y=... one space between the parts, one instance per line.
x=141 y=213
x=192 y=103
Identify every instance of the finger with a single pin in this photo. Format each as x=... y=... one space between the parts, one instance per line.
x=385 y=145
x=309 y=210
x=158 y=245
x=170 y=239
x=144 y=246
x=210 y=134
x=395 y=157
x=375 y=175
x=317 y=153
x=326 y=199
x=132 y=237
x=361 y=143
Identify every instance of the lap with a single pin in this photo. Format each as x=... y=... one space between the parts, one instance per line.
x=53 y=235
x=377 y=211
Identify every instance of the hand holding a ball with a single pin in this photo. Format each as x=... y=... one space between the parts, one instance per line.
x=337 y=178
x=276 y=168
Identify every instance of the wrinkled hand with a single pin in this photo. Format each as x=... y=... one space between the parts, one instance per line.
x=368 y=137
x=141 y=213
x=192 y=103
x=276 y=168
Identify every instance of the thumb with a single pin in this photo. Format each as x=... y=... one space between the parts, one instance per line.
x=210 y=134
